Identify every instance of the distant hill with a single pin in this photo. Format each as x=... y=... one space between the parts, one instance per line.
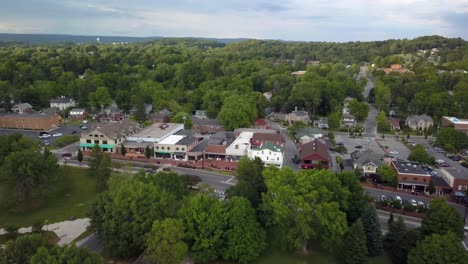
x=57 y=38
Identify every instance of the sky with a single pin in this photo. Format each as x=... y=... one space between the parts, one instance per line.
x=297 y=20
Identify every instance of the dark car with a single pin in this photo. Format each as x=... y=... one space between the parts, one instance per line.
x=73 y=132
x=358 y=146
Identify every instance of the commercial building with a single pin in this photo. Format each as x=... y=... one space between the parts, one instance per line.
x=240 y=146
x=270 y=154
x=258 y=139
x=62 y=102
x=458 y=124
x=411 y=176
x=35 y=121
x=456 y=177
x=314 y=155
x=78 y=114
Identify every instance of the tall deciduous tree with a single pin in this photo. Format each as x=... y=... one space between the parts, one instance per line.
x=251 y=183
x=383 y=125
x=183 y=118
x=357 y=200
x=164 y=243
x=123 y=150
x=373 y=232
x=237 y=111
x=79 y=156
x=306 y=206
x=101 y=98
x=148 y=152
x=353 y=249
x=65 y=254
x=452 y=139
x=442 y=218
x=419 y=154
x=100 y=167
x=359 y=109
x=388 y=174
x=394 y=240
x=439 y=249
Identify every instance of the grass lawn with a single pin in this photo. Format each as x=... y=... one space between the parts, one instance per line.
x=74 y=202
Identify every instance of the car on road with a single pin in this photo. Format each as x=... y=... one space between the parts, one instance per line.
x=358 y=146
x=66 y=156
x=393 y=152
x=73 y=132
x=398 y=198
x=413 y=202
x=44 y=136
x=83 y=127
x=57 y=135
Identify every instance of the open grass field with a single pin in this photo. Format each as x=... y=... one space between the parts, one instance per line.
x=79 y=194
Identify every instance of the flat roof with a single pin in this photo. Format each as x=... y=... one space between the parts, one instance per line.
x=458 y=172
x=171 y=140
x=410 y=168
x=456 y=120
x=156 y=132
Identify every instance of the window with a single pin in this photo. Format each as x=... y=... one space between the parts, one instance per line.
x=162 y=148
x=405 y=178
x=236 y=147
x=157 y=147
x=88 y=141
x=96 y=135
x=415 y=179
x=183 y=149
x=262 y=151
x=96 y=141
x=104 y=142
x=177 y=149
x=101 y=135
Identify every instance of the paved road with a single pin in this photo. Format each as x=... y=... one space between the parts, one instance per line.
x=370 y=123
x=290 y=148
x=64 y=129
x=411 y=222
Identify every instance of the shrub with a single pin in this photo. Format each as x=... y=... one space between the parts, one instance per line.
x=409 y=208
x=37 y=226
x=66 y=140
x=397 y=204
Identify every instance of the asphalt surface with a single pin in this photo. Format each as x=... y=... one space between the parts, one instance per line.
x=290 y=147
x=64 y=130
x=410 y=222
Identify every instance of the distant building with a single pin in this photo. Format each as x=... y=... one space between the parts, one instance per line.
x=258 y=139
x=396 y=67
x=33 y=121
x=458 y=124
x=148 y=108
x=298 y=115
x=23 y=108
x=394 y=123
x=321 y=123
x=201 y=114
x=368 y=162
x=308 y=134
x=112 y=113
x=62 y=102
x=78 y=114
x=260 y=123
x=268 y=96
x=162 y=116
x=419 y=122
x=270 y=154
x=206 y=125
x=314 y=155
x=348 y=121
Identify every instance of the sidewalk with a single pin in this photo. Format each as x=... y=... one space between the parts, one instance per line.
x=66 y=231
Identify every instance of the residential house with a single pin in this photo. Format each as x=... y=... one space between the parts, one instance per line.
x=321 y=123
x=279 y=117
x=314 y=155
x=298 y=115
x=112 y=113
x=396 y=67
x=368 y=162
x=62 y=102
x=206 y=125
x=79 y=114
x=419 y=122
x=22 y=108
x=411 y=176
x=348 y=121
x=201 y=114
x=260 y=123
x=270 y=154
x=394 y=123
x=456 y=123
x=240 y=146
x=148 y=108
x=33 y=121
x=108 y=135
x=346 y=109
x=258 y=139
x=162 y=116
x=308 y=134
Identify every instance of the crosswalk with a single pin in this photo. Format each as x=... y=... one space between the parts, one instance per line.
x=220 y=194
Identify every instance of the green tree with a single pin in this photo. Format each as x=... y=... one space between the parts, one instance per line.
x=438 y=249
x=244 y=238
x=164 y=243
x=37 y=226
x=183 y=118
x=123 y=150
x=66 y=254
x=359 y=109
x=334 y=120
x=383 y=125
x=21 y=249
x=100 y=166
x=101 y=98
x=306 y=206
x=419 y=154
x=373 y=232
x=122 y=215
x=79 y=156
x=237 y=111
x=140 y=113
x=388 y=174
x=353 y=249
x=452 y=139
x=394 y=239
x=251 y=183
x=442 y=218
x=357 y=200
x=148 y=152
x=203 y=218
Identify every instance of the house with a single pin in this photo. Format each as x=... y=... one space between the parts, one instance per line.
x=112 y=113
x=261 y=124
x=368 y=162
x=411 y=176
x=308 y=134
x=419 y=122
x=79 y=114
x=270 y=154
x=348 y=121
x=201 y=114
x=162 y=116
x=62 y=102
x=321 y=123
x=258 y=139
x=394 y=123
x=148 y=108
x=346 y=109
x=33 y=121
x=240 y=146
x=314 y=155
x=108 y=135
x=281 y=117
x=206 y=125
x=23 y=108
x=456 y=123
x=296 y=115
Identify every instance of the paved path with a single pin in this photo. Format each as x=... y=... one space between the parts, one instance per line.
x=66 y=231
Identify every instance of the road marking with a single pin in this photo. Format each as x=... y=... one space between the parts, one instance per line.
x=228 y=181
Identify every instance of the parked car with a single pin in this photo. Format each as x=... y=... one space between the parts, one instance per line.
x=413 y=202
x=368 y=130
x=44 y=136
x=421 y=204
x=85 y=121
x=73 y=132
x=398 y=198
x=393 y=152
x=83 y=127
x=46 y=143
x=358 y=146
x=383 y=198
x=66 y=156
x=57 y=135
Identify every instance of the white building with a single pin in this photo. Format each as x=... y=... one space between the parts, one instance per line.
x=240 y=146
x=269 y=153
x=62 y=102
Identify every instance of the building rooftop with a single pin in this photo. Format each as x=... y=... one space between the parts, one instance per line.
x=187 y=141
x=116 y=130
x=171 y=140
x=267 y=137
x=32 y=115
x=156 y=132
x=201 y=146
x=255 y=130
x=308 y=131
x=456 y=120
x=409 y=167
x=62 y=100
x=368 y=156
x=240 y=146
x=314 y=147
x=205 y=121
x=270 y=146
x=458 y=172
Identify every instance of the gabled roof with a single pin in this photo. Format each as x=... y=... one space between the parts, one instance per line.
x=22 y=106
x=116 y=130
x=165 y=112
x=314 y=147
x=270 y=146
x=205 y=122
x=62 y=100
x=266 y=137
x=417 y=118
x=368 y=156
x=395 y=122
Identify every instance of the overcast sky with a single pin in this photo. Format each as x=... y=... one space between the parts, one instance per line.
x=310 y=20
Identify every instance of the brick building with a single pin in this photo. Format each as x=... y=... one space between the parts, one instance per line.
x=458 y=124
x=36 y=121
x=411 y=176
x=314 y=155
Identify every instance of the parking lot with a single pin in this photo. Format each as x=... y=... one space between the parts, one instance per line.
x=64 y=130
x=351 y=143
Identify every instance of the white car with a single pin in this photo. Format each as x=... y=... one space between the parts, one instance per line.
x=393 y=152
x=398 y=198
x=46 y=143
x=413 y=202
x=44 y=136
x=57 y=135
x=421 y=204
